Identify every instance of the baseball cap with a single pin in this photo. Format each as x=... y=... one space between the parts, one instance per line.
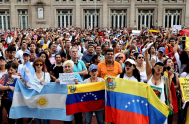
x=113 y=41
x=130 y=61
x=159 y=63
x=41 y=42
x=161 y=49
x=92 y=67
x=26 y=52
x=135 y=53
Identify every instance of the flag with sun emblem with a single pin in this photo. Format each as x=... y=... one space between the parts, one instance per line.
x=48 y=104
x=85 y=97
x=132 y=102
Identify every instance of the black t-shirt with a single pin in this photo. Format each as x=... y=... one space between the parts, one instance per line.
x=56 y=70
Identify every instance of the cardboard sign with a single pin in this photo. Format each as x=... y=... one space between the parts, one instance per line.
x=184 y=83
x=35 y=84
x=66 y=78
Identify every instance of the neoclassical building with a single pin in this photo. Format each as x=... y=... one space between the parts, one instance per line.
x=101 y=13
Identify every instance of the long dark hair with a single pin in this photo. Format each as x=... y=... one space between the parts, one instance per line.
x=136 y=73
x=47 y=62
x=186 y=69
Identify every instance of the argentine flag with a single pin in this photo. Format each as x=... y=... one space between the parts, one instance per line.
x=50 y=103
x=27 y=72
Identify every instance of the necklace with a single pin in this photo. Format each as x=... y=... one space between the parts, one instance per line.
x=156 y=79
x=95 y=81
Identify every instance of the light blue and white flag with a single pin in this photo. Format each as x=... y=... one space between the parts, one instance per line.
x=50 y=103
x=27 y=72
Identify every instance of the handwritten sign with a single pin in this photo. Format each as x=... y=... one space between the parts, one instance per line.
x=187 y=43
x=184 y=83
x=177 y=27
x=66 y=78
x=35 y=84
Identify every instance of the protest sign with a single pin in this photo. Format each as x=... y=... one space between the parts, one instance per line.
x=66 y=78
x=177 y=27
x=187 y=43
x=136 y=32
x=35 y=84
x=184 y=83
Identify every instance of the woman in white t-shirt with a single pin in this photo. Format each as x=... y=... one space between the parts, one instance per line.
x=130 y=71
x=2 y=66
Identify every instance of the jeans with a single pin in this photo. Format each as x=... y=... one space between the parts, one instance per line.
x=7 y=104
x=38 y=121
x=99 y=117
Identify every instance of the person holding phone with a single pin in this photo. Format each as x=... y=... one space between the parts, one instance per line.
x=174 y=85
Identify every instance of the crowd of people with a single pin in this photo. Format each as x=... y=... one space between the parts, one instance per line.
x=157 y=58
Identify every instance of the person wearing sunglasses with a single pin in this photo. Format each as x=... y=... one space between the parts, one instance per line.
x=130 y=71
x=159 y=83
x=119 y=58
x=40 y=74
x=159 y=57
x=141 y=66
x=93 y=71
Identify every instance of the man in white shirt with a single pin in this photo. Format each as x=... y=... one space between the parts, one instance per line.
x=19 y=54
x=9 y=38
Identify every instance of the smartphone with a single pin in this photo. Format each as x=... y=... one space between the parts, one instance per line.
x=183 y=38
x=168 y=68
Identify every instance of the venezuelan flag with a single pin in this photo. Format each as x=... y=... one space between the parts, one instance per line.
x=85 y=97
x=130 y=102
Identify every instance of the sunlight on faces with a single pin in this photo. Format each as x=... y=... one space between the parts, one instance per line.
x=58 y=58
x=158 y=69
x=43 y=57
x=38 y=66
x=129 y=67
x=169 y=63
x=11 y=71
x=109 y=56
x=93 y=73
x=140 y=59
x=68 y=68
x=119 y=58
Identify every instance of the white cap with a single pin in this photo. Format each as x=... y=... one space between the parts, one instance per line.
x=130 y=61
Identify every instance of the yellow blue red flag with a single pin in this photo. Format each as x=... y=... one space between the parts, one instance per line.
x=131 y=102
x=85 y=97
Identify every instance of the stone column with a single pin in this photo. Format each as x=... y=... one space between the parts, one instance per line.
x=12 y=11
x=29 y=15
x=78 y=14
x=160 y=14
x=105 y=14
x=132 y=14
x=186 y=19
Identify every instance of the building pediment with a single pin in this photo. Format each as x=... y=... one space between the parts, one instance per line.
x=39 y=2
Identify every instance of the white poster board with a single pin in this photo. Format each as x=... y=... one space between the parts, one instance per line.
x=177 y=27
x=136 y=32
x=40 y=13
x=66 y=78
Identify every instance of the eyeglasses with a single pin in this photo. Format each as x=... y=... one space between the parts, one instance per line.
x=159 y=66
x=39 y=64
x=119 y=57
x=140 y=57
x=126 y=64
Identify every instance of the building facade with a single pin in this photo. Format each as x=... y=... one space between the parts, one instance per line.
x=101 y=13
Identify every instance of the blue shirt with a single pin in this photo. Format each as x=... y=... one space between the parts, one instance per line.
x=78 y=77
x=53 y=54
x=79 y=66
x=87 y=58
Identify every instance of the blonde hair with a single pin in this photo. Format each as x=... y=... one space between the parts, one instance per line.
x=68 y=61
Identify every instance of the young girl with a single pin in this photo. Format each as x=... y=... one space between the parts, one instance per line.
x=7 y=84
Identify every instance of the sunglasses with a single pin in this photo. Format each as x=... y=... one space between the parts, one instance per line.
x=132 y=51
x=126 y=64
x=159 y=66
x=39 y=64
x=140 y=57
x=119 y=57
